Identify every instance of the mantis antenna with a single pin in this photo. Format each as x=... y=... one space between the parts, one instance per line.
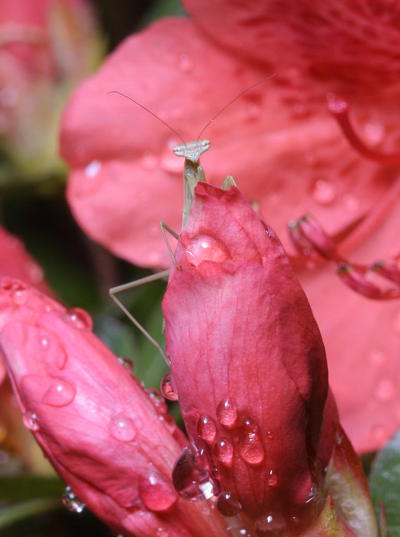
x=193 y=173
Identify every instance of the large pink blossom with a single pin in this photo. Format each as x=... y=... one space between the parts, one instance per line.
x=46 y=47
x=279 y=141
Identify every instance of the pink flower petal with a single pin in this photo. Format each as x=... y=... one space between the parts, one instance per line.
x=239 y=327
x=93 y=420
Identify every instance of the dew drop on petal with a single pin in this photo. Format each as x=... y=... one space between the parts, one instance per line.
x=161 y=532
x=376 y=357
x=351 y=203
x=227 y=414
x=272 y=478
x=157 y=401
x=374 y=132
x=71 y=502
x=385 y=390
x=250 y=446
x=19 y=296
x=191 y=480
x=79 y=318
x=205 y=248
x=125 y=362
x=92 y=169
x=396 y=323
x=185 y=63
x=379 y=433
x=223 y=452
x=171 y=163
x=167 y=389
x=35 y=273
x=60 y=393
x=31 y=421
x=54 y=353
x=122 y=428
x=324 y=192
x=270 y=524
x=149 y=161
x=227 y=505
x=155 y=493
x=206 y=429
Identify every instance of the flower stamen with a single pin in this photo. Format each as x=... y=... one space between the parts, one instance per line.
x=310 y=239
x=339 y=108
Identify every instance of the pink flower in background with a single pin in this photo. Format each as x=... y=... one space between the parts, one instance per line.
x=46 y=47
x=280 y=143
x=111 y=442
x=17 y=263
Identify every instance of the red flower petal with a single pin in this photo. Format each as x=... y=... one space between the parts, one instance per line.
x=94 y=421
x=239 y=326
x=282 y=147
x=347 y=43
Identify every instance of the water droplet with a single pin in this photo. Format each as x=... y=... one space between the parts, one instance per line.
x=79 y=318
x=379 y=433
x=169 y=162
x=250 y=447
x=125 y=362
x=396 y=323
x=185 y=63
x=377 y=357
x=162 y=533
x=71 y=502
x=60 y=393
x=205 y=248
x=19 y=296
x=157 y=400
x=54 y=353
x=206 y=429
x=190 y=479
x=223 y=451
x=35 y=273
x=253 y=111
x=155 y=493
x=270 y=524
x=149 y=161
x=227 y=505
x=351 y=203
x=272 y=478
x=31 y=421
x=385 y=390
x=374 y=132
x=227 y=414
x=167 y=388
x=122 y=428
x=324 y=192
x=92 y=169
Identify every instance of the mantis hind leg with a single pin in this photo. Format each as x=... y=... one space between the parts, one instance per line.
x=114 y=291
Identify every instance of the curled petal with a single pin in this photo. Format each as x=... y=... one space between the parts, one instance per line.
x=239 y=325
x=94 y=421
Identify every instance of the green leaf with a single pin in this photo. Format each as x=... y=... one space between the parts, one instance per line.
x=23 y=487
x=11 y=514
x=385 y=484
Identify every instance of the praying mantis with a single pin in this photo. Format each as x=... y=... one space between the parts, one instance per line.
x=193 y=173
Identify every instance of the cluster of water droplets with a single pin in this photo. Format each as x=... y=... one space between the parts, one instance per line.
x=71 y=502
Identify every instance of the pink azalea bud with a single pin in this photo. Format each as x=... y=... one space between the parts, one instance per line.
x=46 y=47
x=94 y=421
x=248 y=363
